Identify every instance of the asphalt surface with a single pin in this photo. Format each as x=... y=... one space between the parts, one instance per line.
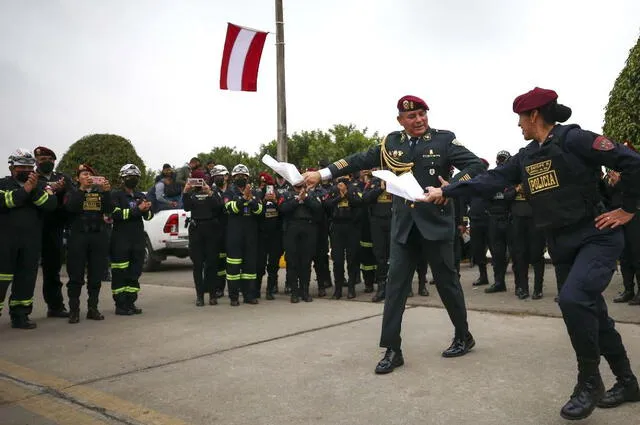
x=306 y=363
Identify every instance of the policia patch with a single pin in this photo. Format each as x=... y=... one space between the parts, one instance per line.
x=543 y=177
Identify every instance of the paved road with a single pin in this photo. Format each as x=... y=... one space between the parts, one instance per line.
x=278 y=363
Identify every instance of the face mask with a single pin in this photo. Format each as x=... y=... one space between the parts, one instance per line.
x=23 y=176
x=46 y=167
x=241 y=182
x=131 y=182
x=219 y=181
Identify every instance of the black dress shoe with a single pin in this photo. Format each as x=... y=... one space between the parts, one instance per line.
x=624 y=297
x=336 y=295
x=307 y=298
x=94 y=314
x=536 y=295
x=213 y=300
x=496 y=287
x=584 y=399
x=234 y=303
x=122 y=311
x=58 y=313
x=351 y=293
x=74 y=316
x=523 y=295
x=200 y=302
x=459 y=346
x=391 y=360
x=270 y=296
x=294 y=299
x=423 y=291
x=623 y=391
x=480 y=282
x=253 y=301
x=22 y=322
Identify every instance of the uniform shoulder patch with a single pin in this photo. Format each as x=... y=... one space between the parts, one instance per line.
x=601 y=143
x=456 y=142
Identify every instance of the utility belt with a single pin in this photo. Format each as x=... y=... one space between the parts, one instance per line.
x=195 y=222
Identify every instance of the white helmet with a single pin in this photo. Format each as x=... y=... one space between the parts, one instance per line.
x=219 y=170
x=239 y=169
x=22 y=157
x=130 y=170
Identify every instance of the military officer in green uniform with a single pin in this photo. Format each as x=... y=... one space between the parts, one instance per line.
x=416 y=227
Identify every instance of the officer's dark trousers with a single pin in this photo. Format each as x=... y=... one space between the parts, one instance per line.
x=527 y=249
x=242 y=258
x=479 y=244
x=498 y=242
x=269 y=253
x=221 y=275
x=630 y=259
x=321 y=257
x=51 y=265
x=584 y=260
x=345 y=242
x=204 y=251
x=87 y=250
x=127 y=258
x=19 y=255
x=403 y=261
x=381 y=237
x=299 y=245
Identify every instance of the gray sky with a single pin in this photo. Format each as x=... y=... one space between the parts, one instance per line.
x=149 y=69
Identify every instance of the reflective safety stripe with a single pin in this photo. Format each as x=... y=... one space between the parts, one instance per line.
x=6 y=277
x=222 y=255
x=120 y=265
x=233 y=277
x=119 y=290
x=41 y=200
x=248 y=276
x=8 y=199
x=222 y=273
x=116 y=209
x=366 y=244
x=125 y=213
x=234 y=207
x=149 y=215
x=26 y=303
x=131 y=289
x=368 y=268
x=259 y=210
x=234 y=260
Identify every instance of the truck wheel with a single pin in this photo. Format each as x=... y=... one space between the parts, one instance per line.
x=151 y=261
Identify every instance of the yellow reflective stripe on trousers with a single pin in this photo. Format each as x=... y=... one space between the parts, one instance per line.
x=119 y=290
x=41 y=200
x=131 y=289
x=234 y=260
x=367 y=268
x=120 y=265
x=8 y=199
x=26 y=303
x=366 y=244
x=233 y=277
x=6 y=277
x=248 y=276
x=222 y=273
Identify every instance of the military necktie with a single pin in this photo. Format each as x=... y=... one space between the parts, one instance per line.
x=413 y=141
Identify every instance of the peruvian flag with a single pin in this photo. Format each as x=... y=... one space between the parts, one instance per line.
x=241 y=58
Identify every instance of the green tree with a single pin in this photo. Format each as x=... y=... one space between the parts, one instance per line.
x=106 y=153
x=622 y=116
x=231 y=156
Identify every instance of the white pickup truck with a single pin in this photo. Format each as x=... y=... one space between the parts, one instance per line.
x=167 y=236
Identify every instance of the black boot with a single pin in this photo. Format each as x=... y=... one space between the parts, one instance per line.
x=200 y=301
x=624 y=296
x=305 y=294
x=74 y=316
x=379 y=296
x=94 y=314
x=21 y=321
x=294 y=296
x=496 y=287
x=483 y=279
x=626 y=387
x=351 y=291
x=321 y=291
x=337 y=291
x=587 y=393
x=213 y=300
x=422 y=289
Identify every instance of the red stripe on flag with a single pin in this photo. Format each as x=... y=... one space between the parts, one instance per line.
x=232 y=34
x=252 y=62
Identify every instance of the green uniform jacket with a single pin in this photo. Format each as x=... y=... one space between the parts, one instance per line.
x=432 y=156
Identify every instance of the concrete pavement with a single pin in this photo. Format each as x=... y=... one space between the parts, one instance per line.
x=278 y=363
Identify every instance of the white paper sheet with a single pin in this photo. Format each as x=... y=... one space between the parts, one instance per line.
x=288 y=171
x=406 y=186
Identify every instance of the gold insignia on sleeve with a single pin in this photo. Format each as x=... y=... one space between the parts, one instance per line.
x=340 y=164
x=465 y=178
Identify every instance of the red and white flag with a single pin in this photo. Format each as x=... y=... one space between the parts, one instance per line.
x=241 y=58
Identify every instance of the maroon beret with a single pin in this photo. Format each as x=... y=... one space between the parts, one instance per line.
x=533 y=99
x=266 y=177
x=198 y=174
x=85 y=167
x=41 y=150
x=411 y=103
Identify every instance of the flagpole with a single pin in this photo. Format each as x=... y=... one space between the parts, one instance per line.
x=282 y=106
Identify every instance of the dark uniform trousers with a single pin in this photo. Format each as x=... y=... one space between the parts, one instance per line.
x=479 y=244
x=585 y=259
x=345 y=242
x=381 y=237
x=321 y=257
x=127 y=258
x=527 y=249
x=87 y=250
x=299 y=245
x=221 y=275
x=404 y=259
x=269 y=253
x=630 y=259
x=498 y=243
x=51 y=264
x=242 y=258
x=204 y=253
x=19 y=255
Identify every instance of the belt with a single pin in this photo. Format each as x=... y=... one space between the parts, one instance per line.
x=411 y=204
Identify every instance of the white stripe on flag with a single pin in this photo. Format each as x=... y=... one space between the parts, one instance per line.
x=237 y=58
